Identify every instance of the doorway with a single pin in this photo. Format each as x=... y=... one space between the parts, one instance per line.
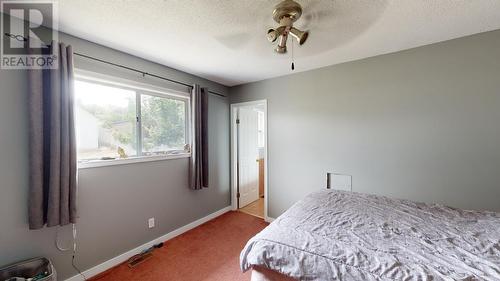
x=249 y=158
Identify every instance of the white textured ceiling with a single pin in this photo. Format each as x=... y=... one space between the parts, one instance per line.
x=225 y=40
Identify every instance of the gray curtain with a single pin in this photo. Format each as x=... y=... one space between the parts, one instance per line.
x=198 y=172
x=52 y=193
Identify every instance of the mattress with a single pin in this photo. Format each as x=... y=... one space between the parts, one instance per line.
x=336 y=235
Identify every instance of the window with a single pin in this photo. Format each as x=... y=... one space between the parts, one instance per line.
x=163 y=124
x=116 y=121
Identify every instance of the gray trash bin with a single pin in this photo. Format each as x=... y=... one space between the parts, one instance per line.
x=37 y=269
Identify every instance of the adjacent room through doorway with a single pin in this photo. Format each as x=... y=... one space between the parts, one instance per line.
x=249 y=157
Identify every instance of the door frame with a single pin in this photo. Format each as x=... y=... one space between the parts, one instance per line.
x=234 y=156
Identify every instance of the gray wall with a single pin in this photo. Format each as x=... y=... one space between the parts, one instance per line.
x=422 y=124
x=114 y=202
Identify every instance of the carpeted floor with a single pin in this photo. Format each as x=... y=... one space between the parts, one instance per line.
x=208 y=252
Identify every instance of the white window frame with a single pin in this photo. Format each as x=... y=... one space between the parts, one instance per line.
x=141 y=89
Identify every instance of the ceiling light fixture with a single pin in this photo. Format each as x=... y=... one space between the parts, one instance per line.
x=286 y=13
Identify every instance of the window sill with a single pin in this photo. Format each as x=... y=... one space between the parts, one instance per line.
x=131 y=160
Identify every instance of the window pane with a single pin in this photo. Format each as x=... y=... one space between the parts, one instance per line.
x=105 y=121
x=163 y=124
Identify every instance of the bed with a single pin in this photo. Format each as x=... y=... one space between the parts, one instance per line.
x=340 y=235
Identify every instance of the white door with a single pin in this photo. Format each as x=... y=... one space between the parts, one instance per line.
x=248 y=154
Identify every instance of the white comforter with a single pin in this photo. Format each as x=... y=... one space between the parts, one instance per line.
x=334 y=235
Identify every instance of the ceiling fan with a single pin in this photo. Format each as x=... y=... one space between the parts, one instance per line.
x=333 y=22
x=285 y=14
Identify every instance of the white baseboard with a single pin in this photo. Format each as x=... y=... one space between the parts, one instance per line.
x=125 y=256
x=269 y=219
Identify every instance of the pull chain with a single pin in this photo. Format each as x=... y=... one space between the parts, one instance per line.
x=293 y=64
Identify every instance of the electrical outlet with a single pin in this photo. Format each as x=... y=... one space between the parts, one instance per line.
x=151 y=222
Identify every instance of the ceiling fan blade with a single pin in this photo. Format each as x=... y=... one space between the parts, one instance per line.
x=245 y=26
x=334 y=23
x=234 y=41
x=313 y=5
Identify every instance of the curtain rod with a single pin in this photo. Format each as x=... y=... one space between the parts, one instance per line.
x=22 y=38
x=142 y=72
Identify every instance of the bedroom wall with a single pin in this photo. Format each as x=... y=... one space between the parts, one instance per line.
x=421 y=124
x=116 y=201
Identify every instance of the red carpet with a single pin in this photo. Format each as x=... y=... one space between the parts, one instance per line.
x=208 y=252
